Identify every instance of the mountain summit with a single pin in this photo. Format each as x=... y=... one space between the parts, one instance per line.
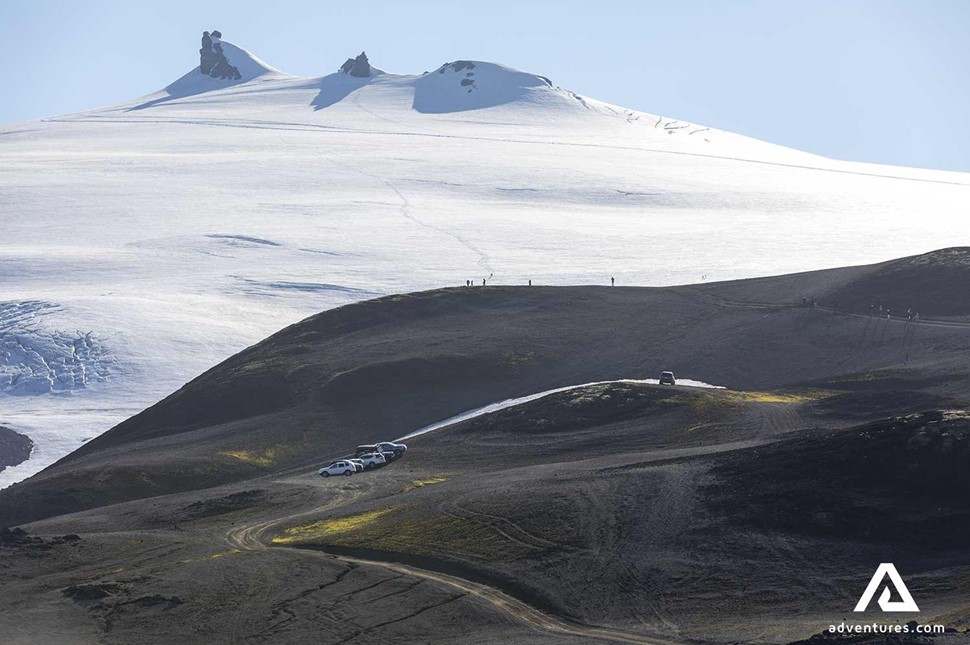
x=457 y=86
x=472 y=85
x=212 y=59
x=221 y=65
x=227 y=62
x=358 y=67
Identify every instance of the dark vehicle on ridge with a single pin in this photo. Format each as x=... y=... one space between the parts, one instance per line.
x=389 y=446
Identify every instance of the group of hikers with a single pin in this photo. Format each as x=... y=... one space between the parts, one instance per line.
x=911 y=316
x=471 y=283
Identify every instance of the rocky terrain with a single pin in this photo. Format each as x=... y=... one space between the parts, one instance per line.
x=358 y=67
x=14 y=447
x=618 y=511
x=212 y=58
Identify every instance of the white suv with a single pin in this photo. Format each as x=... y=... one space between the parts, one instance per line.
x=373 y=460
x=338 y=468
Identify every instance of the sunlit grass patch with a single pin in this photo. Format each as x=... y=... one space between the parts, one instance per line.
x=408 y=531
x=264 y=458
x=709 y=406
x=211 y=556
x=418 y=483
x=433 y=536
x=222 y=554
x=775 y=397
x=331 y=527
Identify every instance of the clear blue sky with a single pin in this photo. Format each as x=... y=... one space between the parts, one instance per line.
x=886 y=81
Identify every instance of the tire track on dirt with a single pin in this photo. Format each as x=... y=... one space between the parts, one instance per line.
x=517 y=609
x=252 y=538
x=506 y=528
x=777 y=418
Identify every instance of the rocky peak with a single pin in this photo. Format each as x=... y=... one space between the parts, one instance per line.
x=213 y=61
x=359 y=67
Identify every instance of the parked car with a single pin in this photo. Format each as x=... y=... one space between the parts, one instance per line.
x=358 y=466
x=667 y=378
x=338 y=468
x=361 y=450
x=372 y=460
x=389 y=446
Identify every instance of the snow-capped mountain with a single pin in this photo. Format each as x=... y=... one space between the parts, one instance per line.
x=143 y=243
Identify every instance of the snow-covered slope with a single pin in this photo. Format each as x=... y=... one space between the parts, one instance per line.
x=144 y=242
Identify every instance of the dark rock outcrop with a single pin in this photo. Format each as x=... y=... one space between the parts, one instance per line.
x=97 y=591
x=359 y=67
x=457 y=66
x=15 y=448
x=222 y=505
x=19 y=538
x=461 y=66
x=213 y=61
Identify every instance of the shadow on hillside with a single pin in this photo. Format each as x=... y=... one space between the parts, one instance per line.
x=189 y=85
x=335 y=88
